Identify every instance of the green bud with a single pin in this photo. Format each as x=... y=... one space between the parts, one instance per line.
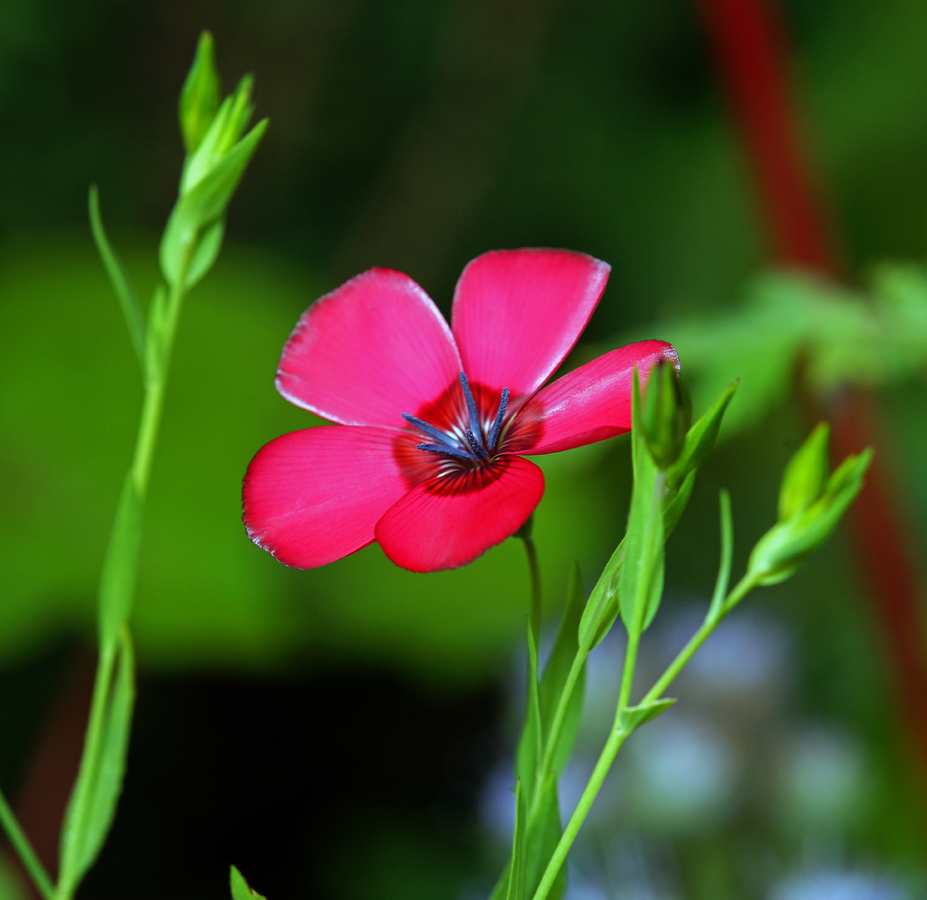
x=199 y=97
x=701 y=439
x=805 y=476
x=218 y=152
x=786 y=545
x=666 y=415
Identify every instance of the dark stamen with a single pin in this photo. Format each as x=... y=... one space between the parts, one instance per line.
x=446 y=451
x=471 y=409
x=497 y=424
x=478 y=449
x=432 y=432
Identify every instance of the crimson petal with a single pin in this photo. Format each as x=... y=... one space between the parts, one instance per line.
x=517 y=313
x=589 y=404
x=372 y=349
x=450 y=520
x=313 y=496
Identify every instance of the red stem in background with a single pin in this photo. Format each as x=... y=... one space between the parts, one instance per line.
x=751 y=55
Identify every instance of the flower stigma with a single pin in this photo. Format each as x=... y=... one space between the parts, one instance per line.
x=469 y=444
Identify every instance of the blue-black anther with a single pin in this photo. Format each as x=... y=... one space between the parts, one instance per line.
x=479 y=451
x=471 y=409
x=447 y=451
x=427 y=428
x=497 y=424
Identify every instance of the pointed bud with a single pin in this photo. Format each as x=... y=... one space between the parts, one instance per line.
x=805 y=476
x=199 y=97
x=666 y=415
x=784 y=547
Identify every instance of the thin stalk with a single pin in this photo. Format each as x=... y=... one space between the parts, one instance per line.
x=124 y=541
x=606 y=758
x=556 y=725
x=535 y=615
x=25 y=851
x=743 y=587
x=618 y=735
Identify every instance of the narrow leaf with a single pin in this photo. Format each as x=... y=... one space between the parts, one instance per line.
x=528 y=755
x=700 y=439
x=563 y=657
x=519 y=867
x=207 y=251
x=117 y=277
x=602 y=605
x=632 y=717
x=93 y=801
x=727 y=554
x=641 y=581
x=240 y=888
x=544 y=831
x=117 y=580
x=112 y=763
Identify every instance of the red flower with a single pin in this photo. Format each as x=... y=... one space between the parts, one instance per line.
x=433 y=421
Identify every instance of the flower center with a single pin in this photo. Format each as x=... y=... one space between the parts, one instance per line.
x=471 y=444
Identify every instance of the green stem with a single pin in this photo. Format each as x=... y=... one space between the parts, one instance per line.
x=743 y=587
x=606 y=758
x=553 y=735
x=117 y=584
x=24 y=850
x=618 y=736
x=535 y=616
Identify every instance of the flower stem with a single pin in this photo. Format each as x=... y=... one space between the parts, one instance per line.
x=553 y=735
x=535 y=569
x=117 y=582
x=619 y=735
x=25 y=851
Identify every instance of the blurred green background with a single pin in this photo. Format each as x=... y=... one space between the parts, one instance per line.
x=416 y=135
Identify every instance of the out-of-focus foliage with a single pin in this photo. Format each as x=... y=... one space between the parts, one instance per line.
x=839 y=336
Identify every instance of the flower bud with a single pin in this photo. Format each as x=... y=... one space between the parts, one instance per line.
x=784 y=547
x=805 y=476
x=666 y=415
x=199 y=97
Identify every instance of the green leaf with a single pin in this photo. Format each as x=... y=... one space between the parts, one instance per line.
x=117 y=277
x=544 y=833
x=632 y=717
x=805 y=476
x=727 y=553
x=206 y=252
x=530 y=746
x=556 y=673
x=117 y=580
x=240 y=888
x=700 y=439
x=199 y=97
x=675 y=503
x=640 y=584
x=602 y=606
x=93 y=801
x=519 y=865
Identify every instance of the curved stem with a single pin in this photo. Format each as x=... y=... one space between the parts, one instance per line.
x=25 y=851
